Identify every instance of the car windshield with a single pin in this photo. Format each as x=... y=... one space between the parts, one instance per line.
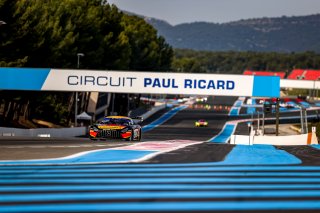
x=117 y=121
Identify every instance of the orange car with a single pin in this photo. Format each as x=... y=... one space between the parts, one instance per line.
x=117 y=127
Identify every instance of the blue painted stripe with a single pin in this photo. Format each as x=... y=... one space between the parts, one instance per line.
x=234 y=111
x=293 y=104
x=22 y=78
x=252 y=110
x=89 y=196
x=266 y=86
x=97 y=156
x=163 y=118
x=163 y=180
x=167 y=206
x=121 y=187
x=161 y=168
x=211 y=166
x=238 y=103
x=224 y=135
x=86 y=174
x=305 y=104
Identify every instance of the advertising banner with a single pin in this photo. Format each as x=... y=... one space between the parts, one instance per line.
x=139 y=82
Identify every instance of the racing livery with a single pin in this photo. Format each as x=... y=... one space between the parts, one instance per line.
x=117 y=127
x=201 y=122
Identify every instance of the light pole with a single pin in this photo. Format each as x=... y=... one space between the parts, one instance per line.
x=249 y=130
x=79 y=55
x=76 y=101
x=277 y=116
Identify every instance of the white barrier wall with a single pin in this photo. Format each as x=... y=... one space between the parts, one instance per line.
x=300 y=84
x=44 y=132
x=282 y=140
x=303 y=139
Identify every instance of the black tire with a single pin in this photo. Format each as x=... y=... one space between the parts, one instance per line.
x=140 y=135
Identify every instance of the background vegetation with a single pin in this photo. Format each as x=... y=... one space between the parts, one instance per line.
x=232 y=62
x=49 y=34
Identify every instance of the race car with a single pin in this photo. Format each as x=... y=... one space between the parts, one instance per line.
x=117 y=127
x=201 y=123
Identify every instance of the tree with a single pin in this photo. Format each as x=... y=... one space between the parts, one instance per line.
x=51 y=33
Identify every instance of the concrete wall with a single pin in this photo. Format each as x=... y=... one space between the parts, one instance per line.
x=44 y=132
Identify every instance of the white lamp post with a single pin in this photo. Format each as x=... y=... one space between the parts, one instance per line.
x=79 y=55
x=76 y=103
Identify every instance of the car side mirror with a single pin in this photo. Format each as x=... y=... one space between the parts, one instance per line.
x=138 y=119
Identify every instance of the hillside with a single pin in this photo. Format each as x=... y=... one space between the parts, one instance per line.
x=285 y=34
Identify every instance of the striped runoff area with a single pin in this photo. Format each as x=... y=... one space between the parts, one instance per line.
x=159 y=187
x=250 y=178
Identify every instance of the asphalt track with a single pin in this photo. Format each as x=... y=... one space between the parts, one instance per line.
x=203 y=177
x=179 y=127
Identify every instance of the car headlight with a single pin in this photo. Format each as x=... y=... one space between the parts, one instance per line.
x=94 y=128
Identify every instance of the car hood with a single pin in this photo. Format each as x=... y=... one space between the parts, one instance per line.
x=111 y=127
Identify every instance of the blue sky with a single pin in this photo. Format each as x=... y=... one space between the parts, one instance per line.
x=217 y=11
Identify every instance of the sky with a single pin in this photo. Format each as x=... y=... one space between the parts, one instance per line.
x=217 y=11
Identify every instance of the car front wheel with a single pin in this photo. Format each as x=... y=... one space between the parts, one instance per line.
x=140 y=135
